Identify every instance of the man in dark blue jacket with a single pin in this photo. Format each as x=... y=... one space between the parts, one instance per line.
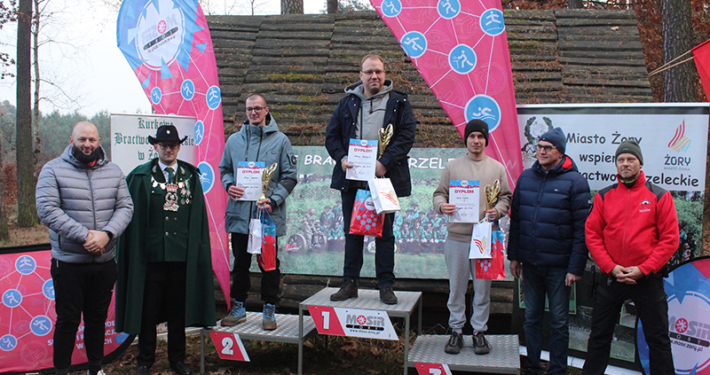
x=370 y=105
x=550 y=206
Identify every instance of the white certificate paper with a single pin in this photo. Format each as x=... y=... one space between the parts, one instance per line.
x=465 y=196
x=363 y=155
x=249 y=179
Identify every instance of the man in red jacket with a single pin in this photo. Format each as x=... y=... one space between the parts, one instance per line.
x=631 y=233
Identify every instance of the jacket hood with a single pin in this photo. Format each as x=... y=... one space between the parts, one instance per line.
x=358 y=89
x=269 y=127
x=69 y=158
x=566 y=165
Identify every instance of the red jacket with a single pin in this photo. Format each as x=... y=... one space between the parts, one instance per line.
x=632 y=227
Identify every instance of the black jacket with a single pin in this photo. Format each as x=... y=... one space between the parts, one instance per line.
x=342 y=127
x=547 y=217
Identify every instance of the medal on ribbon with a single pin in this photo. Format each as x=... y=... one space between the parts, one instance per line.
x=171 y=198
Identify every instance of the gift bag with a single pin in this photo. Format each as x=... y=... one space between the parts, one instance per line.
x=254 y=243
x=383 y=195
x=494 y=268
x=365 y=221
x=481 y=241
x=267 y=258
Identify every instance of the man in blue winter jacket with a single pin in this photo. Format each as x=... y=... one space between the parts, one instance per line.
x=258 y=140
x=546 y=246
x=370 y=105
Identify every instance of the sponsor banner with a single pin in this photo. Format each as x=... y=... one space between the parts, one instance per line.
x=460 y=48
x=28 y=316
x=168 y=45
x=338 y=321
x=129 y=138
x=688 y=291
x=432 y=368
x=229 y=346
x=673 y=139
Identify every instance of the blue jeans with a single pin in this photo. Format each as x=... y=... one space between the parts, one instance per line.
x=537 y=282
x=384 y=247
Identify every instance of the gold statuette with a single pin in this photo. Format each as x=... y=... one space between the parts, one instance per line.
x=385 y=138
x=266 y=178
x=492 y=194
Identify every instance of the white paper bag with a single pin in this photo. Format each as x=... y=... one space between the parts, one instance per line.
x=481 y=241
x=254 y=244
x=383 y=195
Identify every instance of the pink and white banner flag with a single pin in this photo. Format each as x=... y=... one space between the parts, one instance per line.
x=461 y=50
x=169 y=47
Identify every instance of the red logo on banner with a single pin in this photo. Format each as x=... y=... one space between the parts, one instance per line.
x=229 y=346
x=432 y=369
x=326 y=320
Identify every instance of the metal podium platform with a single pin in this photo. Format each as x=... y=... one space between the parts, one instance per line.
x=291 y=329
x=504 y=357
x=370 y=300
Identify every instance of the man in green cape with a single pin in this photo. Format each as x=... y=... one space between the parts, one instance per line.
x=164 y=261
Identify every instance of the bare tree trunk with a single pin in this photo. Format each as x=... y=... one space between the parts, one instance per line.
x=575 y=4
x=291 y=6
x=677 y=38
x=37 y=149
x=4 y=233
x=332 y=6
x=26 y=211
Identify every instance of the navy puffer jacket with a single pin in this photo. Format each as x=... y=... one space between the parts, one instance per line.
x=547 y=215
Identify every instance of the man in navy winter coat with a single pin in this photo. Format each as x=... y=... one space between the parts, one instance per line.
x=370 y=105
x=550 y=206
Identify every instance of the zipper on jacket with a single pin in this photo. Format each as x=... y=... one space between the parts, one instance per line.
x=93 y=204
x=623 y=238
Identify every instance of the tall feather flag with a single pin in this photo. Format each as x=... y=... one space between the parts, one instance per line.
x=168 y=45
x=461 y=50
x=701 y=55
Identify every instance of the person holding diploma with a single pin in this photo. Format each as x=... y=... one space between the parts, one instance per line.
x=370 y=105
x=474 y=166
x=546 y=244
x=258 y=140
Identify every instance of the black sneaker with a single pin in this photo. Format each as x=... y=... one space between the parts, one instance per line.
x=455 y=343
x=387 y=296
x=347 y=290
x=480 y=343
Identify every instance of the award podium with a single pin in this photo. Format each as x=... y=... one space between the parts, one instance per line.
x=367 y=316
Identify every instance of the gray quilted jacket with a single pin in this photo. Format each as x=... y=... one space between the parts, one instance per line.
x=73 y=199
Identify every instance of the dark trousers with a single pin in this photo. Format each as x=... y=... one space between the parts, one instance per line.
x=651 y=303
x=81 y=288
x=384 y=247
x=241 y=283
x=538 y=282
x=163 y=297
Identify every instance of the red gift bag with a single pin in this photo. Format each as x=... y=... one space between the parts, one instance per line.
x=267 y=258
x=494 y=268
x=364 y=220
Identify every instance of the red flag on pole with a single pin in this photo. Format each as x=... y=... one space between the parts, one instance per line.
x=701 y=55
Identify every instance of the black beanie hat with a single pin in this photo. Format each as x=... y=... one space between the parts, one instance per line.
x=557 y=137
x=630 y=147
x=475 y=126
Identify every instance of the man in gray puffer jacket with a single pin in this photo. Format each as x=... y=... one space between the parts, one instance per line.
x=83 y=199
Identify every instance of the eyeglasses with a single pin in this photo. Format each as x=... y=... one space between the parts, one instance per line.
x=371 y=72
x=255 y=109
x=546 y=148
x=167 y=146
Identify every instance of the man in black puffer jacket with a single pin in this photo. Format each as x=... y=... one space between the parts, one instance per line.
x=550 y=206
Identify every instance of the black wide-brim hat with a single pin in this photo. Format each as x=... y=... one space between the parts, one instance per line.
x=166 y=133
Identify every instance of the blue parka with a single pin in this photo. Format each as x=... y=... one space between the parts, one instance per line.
x=259 y=143
x=548 y=215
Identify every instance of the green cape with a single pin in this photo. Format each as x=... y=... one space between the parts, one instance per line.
x=199 y=296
